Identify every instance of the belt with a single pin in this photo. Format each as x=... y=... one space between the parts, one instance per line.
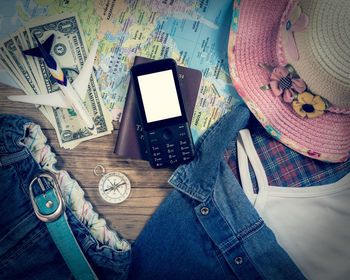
x=49 y=207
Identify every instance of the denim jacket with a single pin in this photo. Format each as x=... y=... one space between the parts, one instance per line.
x=207 y=228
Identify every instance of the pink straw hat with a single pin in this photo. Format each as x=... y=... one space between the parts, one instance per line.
x=290 y=62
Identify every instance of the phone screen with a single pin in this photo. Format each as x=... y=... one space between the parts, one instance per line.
x=159 y=96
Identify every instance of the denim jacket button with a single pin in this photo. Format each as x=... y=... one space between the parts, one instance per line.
x=205 y=211
x=238 y=260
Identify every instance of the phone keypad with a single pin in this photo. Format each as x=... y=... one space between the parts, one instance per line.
x=170 y=146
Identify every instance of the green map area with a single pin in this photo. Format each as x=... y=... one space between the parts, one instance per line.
x=194 y=33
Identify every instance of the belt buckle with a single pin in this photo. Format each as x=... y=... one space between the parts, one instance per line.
x=47 y=218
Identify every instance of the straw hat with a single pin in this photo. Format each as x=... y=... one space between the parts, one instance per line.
x=290 y=62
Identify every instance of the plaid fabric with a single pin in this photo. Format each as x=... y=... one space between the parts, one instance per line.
x=283 y=166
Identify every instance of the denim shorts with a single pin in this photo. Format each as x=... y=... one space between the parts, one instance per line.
x=26 y=248
x=206 y=228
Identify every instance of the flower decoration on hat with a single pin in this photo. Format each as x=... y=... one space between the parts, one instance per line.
x=309 y=105
x=285 y=82
x=297 y=21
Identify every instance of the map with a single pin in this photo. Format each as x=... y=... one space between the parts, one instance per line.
x=194 y=33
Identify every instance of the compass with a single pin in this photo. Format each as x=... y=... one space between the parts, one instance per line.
x=114 y=187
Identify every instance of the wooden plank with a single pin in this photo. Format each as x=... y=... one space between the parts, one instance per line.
x=127 y=226
x=27 y=110
x=149 y=186
x=129 y=217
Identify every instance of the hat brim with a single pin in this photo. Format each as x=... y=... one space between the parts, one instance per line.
x=254 y=41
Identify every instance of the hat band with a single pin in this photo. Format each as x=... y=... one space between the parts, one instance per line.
x=338 y=110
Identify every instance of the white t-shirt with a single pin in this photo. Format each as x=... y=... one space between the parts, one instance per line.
x=311 y=223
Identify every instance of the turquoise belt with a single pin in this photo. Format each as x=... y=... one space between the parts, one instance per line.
x=49 y=207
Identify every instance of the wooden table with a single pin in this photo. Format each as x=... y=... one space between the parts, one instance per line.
x=149 y=186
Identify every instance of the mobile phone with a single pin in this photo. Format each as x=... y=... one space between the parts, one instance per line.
x=164 y=122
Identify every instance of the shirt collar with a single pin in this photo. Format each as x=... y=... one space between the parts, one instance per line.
x=197 y=178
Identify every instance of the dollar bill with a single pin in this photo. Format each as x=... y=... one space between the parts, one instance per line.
x=23 y=34
x=9 y=48
x=10 y=67
x=20 y=37
x=20 y=66
x=31 y=73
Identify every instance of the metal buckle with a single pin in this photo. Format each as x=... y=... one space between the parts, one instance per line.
x=61 y=206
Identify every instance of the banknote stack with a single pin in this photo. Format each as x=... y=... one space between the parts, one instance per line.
x=31 y=74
